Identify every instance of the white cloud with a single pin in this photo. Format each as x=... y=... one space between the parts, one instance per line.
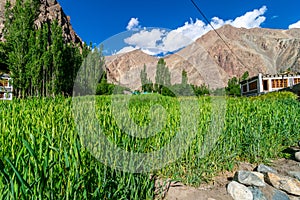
x=251 y=19
x=145 y=38
x=157 y=41
x=126 y=49
x=133 y=24
x=295 y=25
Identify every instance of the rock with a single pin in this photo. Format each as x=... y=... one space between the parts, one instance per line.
x=257 y=193
x=293 y=198
x=239 y=191
x=273 y=194
x=249 y=178
x=264 y=169
x=287 y=184
x=50 y=10
x=295 y=174
x=279 y=195
x=260 y=175
x=297 y=156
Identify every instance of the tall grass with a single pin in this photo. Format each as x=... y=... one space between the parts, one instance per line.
x=42 y=155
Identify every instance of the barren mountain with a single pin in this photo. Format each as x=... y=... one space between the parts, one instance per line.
x=50 y=10
x=212 y=61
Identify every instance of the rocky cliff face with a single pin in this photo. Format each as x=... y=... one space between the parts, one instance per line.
x=210 y=61
x=50 y=10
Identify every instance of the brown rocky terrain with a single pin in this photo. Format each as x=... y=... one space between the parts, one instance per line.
x=209 y=60
x=50 y=10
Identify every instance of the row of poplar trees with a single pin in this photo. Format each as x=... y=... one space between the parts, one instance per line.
x=39 y=60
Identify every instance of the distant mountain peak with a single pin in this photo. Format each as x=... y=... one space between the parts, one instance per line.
x=256 y=50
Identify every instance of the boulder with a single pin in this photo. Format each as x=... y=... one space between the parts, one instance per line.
x=239 y=191
x=295 y=174
x=249 y=178
x=272 y=193
x=287 y=184
x=264 y=169
x=257 y=193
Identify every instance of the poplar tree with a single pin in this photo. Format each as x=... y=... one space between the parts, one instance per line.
x=162 y=77
x=19 y=25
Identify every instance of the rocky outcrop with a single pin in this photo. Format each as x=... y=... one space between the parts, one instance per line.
x=50 y=10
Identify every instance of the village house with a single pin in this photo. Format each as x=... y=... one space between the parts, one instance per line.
x=264 y=83
x=6 y=88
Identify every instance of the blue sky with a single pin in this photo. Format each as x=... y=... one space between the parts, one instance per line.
x=98 y=20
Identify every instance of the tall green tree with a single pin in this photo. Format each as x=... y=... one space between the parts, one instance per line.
x=39 y=60
x=147 y=85
x=162 y=76
x=184 y=78
x=19 y=25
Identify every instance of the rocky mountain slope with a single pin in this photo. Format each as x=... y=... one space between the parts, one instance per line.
x=50 y=10
x=209 y=60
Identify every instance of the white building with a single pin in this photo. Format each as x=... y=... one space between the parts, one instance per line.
x=262 y=84
x=6 y=88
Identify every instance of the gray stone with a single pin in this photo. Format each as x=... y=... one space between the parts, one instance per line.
x=257 y=193
x=239 y=191
x=295 y=174
x=297 y=156
x=249 y=178
x=287 y=184
x=272 y=193
x=279 y=195
x=264 y=169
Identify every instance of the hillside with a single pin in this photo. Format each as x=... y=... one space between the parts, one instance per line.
x=50 y=10
x=208 y=60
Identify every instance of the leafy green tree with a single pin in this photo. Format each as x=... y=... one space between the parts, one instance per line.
x=19 y=25
x=233 y=87
x=245 y=75
x=184 y=78
x=147 y=85
x=162 y=77
x=39 y=60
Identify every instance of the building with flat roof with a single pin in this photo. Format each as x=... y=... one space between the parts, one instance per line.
x=6 y=88
x=264 y=83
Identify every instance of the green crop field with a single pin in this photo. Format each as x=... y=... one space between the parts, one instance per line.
x=45 y=155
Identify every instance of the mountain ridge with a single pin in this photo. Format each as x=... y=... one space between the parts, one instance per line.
x=49 y=11
x=209 y=60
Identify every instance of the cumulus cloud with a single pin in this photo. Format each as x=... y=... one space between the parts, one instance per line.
x=126 y=49
x=145 y=38
x=133 y=24
x=158 y=41
x=295 y=25
x=251 y=19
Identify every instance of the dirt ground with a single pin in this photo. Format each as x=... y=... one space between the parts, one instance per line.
x=217 y=189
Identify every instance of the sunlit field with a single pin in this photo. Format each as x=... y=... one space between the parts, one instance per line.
x=44 y=156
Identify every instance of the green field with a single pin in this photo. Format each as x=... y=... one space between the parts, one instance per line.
x=44 y=156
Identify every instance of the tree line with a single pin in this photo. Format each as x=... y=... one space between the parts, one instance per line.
x=39 y=60
x=163 y=84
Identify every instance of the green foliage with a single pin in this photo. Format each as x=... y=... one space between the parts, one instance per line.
x=163 y=83
x=184 y=78
x=233 y=85
x=43 y=157
x=105 y=89
x=39 y=61
x=162 y=76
